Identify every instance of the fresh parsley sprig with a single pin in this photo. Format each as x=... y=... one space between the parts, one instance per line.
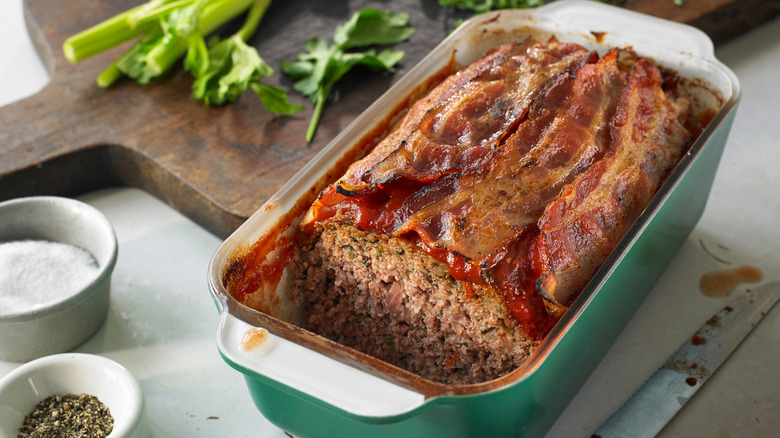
x=323 y=64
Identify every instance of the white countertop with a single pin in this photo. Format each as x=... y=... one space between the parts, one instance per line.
x=162 y=321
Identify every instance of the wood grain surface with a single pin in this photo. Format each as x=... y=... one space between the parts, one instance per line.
x=217 y=165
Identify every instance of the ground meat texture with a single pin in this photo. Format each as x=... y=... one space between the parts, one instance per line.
x=382 y=296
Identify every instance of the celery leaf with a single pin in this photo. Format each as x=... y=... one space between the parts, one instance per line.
x=234 y=67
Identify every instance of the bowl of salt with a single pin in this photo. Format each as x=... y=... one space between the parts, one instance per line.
x=56 y=260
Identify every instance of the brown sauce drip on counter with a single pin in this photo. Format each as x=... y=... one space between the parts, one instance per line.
x=719 y=284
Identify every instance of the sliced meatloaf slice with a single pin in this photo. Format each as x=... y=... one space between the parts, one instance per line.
x=383 y=296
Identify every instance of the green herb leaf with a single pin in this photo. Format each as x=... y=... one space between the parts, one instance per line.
x=208 y=85
x=312 y=67
x=275 y=99
x=154 y=54
x=370 y=27
x=322 y=65
x=231 y=66
x=384 y=60
x=197 y=60
x=133 y=62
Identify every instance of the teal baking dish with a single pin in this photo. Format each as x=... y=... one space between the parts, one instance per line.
x=312 y=387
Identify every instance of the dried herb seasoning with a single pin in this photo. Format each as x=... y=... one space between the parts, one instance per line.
x=68 y=416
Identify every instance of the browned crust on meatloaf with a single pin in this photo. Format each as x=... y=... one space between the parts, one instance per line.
x=384 y=297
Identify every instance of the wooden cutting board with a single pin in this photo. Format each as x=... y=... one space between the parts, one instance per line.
x=217 y=165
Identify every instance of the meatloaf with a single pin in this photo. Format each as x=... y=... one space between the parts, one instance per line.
x=454 y=246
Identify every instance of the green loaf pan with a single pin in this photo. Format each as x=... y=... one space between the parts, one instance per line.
x=313 y=387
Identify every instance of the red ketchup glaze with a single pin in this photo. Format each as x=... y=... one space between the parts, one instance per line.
x=514 y=276
x=257 y=269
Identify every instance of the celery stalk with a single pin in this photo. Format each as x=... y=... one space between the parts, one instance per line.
x=155 y=10
x=169 y=28
x=118 y=29
x=109 y=75
x=253 y=19
x=101 y=37
x=214 y=15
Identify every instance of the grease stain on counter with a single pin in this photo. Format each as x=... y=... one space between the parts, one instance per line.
x=719 y=284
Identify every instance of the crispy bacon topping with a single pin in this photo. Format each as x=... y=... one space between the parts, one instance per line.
x=520 y=172
x=584 y=224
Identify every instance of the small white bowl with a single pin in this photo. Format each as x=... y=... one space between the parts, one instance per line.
x=63 y=325
x=74 y=373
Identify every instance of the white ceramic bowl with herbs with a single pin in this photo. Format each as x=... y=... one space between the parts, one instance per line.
x=56 y=308
x=79 y=390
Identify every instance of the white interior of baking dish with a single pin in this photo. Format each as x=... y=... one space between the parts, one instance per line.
x=679 y=47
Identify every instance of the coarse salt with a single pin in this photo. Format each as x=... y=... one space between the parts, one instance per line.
x=38 y=273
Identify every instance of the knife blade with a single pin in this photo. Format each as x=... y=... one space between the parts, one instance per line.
x=662 y=396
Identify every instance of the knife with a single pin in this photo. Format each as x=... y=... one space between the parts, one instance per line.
x=658 y=400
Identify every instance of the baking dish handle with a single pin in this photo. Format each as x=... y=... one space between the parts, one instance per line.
x=629 y=25
x=308 y=372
